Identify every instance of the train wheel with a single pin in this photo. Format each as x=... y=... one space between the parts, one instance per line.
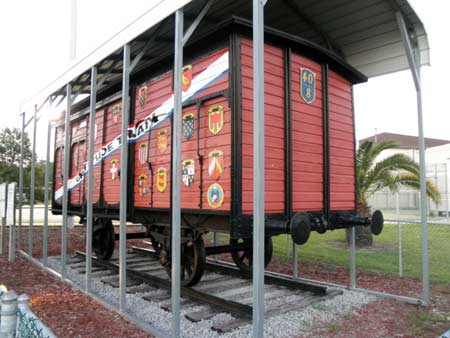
x=244 y=259
x=103 y=241
x=193 y=260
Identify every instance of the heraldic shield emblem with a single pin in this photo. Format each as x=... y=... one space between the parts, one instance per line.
x=215 y=119
x=188 y=172
x=186 y=77
x=142 y=152
x=161 y=179
x=114 y=170
x=162 y=141
x=142 y=184
x=215 y=195
x=116 y=112
x=215 y=164
x=307 y=85
x=142 y=96
x=188 y=125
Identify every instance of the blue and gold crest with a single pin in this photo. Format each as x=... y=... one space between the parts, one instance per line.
x=307 y=85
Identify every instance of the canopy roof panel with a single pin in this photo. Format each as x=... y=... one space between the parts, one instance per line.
x=364 y=33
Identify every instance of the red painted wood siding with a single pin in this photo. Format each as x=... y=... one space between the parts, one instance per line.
x=98 y=142
x=307 y=140
x=77 y=158
x=158 y=91
x=111 y=186
x=342 y=143
x=274 y=127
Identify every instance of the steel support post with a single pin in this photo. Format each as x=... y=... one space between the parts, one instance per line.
x=32 y=183
x=19 y=232
x=90 y=169
x=124 y=178
x=65 y=201
x=46 y=191
x=423 y=188
x=352 y=259
x=176 y=174
x=399 y=229
x=12 y=224
x=258 y=168
x=447 y=197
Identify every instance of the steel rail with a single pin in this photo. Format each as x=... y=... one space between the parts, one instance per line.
x=235 y=308
x=269 y=277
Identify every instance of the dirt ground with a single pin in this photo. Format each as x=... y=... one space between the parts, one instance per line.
x=70 y=313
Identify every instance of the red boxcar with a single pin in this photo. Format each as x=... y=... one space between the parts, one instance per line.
x=309 y=149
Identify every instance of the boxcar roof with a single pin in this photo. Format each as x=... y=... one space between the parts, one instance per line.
x=364 y=33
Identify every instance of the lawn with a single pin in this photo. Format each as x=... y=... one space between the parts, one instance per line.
x=331 y=248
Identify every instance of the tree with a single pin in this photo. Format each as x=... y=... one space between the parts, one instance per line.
x=10 y=147
x=391 y=173
x=10 y=162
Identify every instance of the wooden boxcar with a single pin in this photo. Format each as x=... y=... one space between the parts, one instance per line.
x=309 y=150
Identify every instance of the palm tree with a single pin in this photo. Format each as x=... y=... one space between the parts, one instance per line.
x=391 y=173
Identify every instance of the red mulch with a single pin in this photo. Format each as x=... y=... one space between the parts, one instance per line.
x=69 y=313
x=65 y=310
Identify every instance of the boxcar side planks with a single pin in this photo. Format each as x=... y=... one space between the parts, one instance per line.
x=309 y=152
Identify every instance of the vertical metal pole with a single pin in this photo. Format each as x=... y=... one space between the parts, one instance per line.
x=399 y=226
x=90 y=168
x=124 y=178
x=176 y=174
x=4 y=213
x=423 y=187
x=65 y=201
x=436 y=183
x=46 y=191
x=295 y=260
x=32 y=183
x=19 y=234
x=258 y=168
x=12 y=224
x=447 y=204
x=352 y=259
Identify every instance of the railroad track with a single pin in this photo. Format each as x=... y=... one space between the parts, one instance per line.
x=223 y=289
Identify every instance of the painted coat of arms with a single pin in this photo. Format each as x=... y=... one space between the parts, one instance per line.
x=215 y=195
x=162 y=141
x=188 y=125
x=142 y=96
x=142 y=185
x=188 y=172
x=116 y=112
x=186 y=77
x=161 y=179
x=215 y=164
x=142 y=152
x=307 y=85
x=114 y=170
x=215 y=119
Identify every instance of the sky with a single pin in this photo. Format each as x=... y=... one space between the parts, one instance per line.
x=35 y=50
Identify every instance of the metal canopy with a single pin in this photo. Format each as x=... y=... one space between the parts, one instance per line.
x=365 y=33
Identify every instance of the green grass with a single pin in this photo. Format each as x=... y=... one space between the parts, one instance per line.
x=330 y=248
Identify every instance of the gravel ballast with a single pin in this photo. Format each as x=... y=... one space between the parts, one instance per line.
x=289 y=324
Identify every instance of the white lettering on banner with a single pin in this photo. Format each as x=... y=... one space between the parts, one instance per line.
x=201 y=82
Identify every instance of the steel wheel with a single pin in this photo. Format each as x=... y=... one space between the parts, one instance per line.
x=244 y=259
x=103 y=241
x=193 y=260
